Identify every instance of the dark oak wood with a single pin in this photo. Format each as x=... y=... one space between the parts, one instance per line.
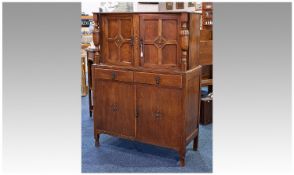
x=148 y=91
x=206 y=52
x=194 y=41
x=116 y=107
x=159 y=115
x=205 y=34
x=159 y=39
x=110 y=74
x=117 y=39
x=162 y=80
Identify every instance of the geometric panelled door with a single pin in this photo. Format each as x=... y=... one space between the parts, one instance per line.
x=159 y=41
x=118 y=40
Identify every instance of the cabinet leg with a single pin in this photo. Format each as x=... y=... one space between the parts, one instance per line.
x=195 y=143
x=90 y=102
x=97 y=143
x=182 y=162
x=182 y=155
x=210 y=88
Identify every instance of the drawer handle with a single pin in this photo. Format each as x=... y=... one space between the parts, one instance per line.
x=157 y=114
x=114 y=108
x=142 y=48
x=113 y=75
x=157 y=80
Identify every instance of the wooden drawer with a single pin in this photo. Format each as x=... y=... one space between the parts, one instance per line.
x=110 y=74
x=158 y=79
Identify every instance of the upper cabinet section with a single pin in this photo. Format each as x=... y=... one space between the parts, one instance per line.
x=159 y=40
x=167 y=41
x=117 y=39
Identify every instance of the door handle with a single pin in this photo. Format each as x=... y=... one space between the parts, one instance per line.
x=113 y=75
x=157 y=114
x=137 y=114
x=141 y=48
x=157 y=80
x=114 y=108
x=132 y=41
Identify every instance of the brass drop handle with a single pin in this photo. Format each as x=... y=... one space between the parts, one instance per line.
x=157 y=80
x=157 y=114
x=137 y=113
x=141 y=48
x=113 y=75
x=132 y=41
x=114 y=108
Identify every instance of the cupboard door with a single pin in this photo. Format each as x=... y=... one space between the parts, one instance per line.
x=114 y=110
x=117 y=47
x=159 y=118
x=159 y=40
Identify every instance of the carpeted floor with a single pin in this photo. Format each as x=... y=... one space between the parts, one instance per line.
x=120 y=155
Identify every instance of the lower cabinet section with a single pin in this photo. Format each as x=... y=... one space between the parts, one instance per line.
x=114 y=107
x=159 y=115
x=151 y=108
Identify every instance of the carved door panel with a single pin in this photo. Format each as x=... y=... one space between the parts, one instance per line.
x=159 y=40
x=159 y=116
x=117 y=47
x=114 y=107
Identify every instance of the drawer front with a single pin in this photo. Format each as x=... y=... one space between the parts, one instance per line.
x=158 y=79
x=109 y=74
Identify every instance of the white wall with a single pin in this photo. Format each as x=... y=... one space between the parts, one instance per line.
x=162 y=7
x=89 y=6
x=145 y=7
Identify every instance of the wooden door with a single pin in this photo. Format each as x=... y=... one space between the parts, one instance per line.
x=159 y=40
x=114 y=107
x=118 y=41
x=159 y=114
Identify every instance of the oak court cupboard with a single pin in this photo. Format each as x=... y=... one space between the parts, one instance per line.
x=146 y=78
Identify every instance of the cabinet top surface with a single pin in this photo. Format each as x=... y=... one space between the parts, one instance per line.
x=195 y=12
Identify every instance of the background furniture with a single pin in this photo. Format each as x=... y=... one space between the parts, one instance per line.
x=83 y=74
x=90 y=61
x=86 y=38
x=207 y=15
x=206 y=41
x=146 y=78
x=206 y=111
x=86 y=33
x=206 y=58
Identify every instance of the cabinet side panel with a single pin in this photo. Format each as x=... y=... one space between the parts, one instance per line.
x=193 y=101
x=194 y=39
